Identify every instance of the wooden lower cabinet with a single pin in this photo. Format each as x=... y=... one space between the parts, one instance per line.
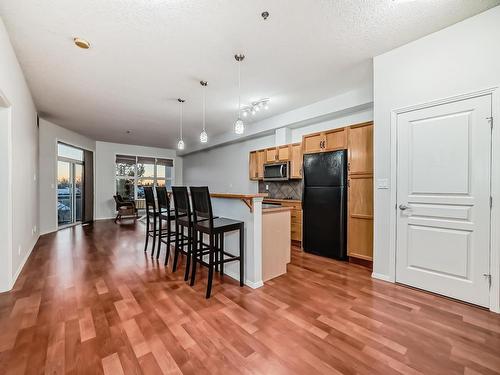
x=296 y=216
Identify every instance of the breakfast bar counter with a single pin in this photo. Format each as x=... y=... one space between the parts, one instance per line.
x=266 y=235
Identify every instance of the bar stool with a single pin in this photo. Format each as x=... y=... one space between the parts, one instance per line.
x=183 y=220
x=151 y=215
x=215 y=228
x=167 y=215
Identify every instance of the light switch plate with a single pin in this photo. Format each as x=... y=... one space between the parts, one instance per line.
x=382 y=183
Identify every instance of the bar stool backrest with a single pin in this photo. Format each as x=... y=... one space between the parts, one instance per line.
x=202 y=205
x=181 y=202
x=150 y=197
x=163 y=199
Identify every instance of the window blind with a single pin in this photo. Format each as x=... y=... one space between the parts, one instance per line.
x=125 y=159
x=165 y=162
x=145 y=160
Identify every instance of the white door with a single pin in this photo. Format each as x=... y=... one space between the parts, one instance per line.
x=443 y=190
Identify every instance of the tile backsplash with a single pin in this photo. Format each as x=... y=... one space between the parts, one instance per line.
x=291 y=189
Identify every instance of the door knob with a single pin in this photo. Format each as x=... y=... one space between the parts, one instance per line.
x=403 y=207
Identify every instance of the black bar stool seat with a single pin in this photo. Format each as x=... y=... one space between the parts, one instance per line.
x=220 y=224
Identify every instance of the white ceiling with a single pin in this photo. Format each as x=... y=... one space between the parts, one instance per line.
x=147 y=53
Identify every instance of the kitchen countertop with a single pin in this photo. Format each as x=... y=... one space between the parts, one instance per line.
x=276 y=209
x=238 y=196
x=277 y=200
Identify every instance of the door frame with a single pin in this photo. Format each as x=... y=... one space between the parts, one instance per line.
x=57 y=159
x=495 y=186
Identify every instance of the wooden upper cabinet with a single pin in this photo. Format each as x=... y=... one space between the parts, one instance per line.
x=313 y=143
x=261 y=159
x=271 y=155
x=330 y=140
x=296 y=160
x=335 y=140
x=361 y=148
x=284 y=153
x=253 y=166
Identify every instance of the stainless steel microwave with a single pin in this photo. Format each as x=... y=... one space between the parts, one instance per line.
x=276 y=171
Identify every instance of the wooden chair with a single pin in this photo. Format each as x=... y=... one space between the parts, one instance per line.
x=215 y=228
x=124 y=208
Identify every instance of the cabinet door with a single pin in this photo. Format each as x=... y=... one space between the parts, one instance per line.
x=261 y=159
x=361 y=148
x=284 y=153
x=271 y=155
x=253 y=166
x=335 y=140
x=360 y=221
x=296 y=160
x=313 y=143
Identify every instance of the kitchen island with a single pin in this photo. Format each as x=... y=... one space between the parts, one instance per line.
x=267 y=236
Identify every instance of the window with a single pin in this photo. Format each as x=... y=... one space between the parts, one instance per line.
x=69 y=152
x=135 y=172
x=125 y=176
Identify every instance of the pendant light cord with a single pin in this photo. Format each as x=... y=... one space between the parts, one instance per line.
x=204 y=104
x=239 y=89
x=181 y=120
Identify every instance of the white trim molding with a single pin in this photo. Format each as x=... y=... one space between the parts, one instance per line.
x=495 y=188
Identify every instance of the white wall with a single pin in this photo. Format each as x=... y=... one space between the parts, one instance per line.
x=49 y=135
x=24 y=158
x=104 y=173
x=460 y=59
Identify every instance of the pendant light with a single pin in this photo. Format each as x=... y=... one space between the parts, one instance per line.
x=180 y=144
x=239 y=126
x=203 y=134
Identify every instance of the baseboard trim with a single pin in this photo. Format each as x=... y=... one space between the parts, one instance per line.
x=254 y=284
x=251 y=284
x=362 y=262
x=21 y=266
x=380 y=276
x=104 y=218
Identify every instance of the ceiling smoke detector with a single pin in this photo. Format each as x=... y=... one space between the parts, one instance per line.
x=265 y=15
x=82 y=43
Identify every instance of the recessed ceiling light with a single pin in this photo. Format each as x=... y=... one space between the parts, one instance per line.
x=82 y=43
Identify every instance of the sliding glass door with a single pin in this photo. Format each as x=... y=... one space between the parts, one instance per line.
x=70 y=183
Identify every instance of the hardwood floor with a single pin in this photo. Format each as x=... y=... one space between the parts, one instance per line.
x=90 y=302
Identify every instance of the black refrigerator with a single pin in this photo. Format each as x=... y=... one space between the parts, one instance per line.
x=324 y=204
